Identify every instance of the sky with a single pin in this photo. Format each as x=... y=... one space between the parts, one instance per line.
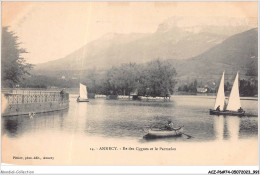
x=52 y=30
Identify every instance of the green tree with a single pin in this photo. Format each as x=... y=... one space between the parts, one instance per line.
x=253 y=68
x=193 y=86
x=129 y=76
x=91 y=79
x=156 y=78
x=248 y=88
x=159 y=77
x=123 y=79
x=14 y=67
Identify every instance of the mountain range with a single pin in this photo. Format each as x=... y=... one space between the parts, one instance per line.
x=201 y=49
x=237 y=53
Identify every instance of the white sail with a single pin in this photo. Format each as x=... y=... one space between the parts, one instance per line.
x=83 y=93
x=220 y=100
x=234 y=99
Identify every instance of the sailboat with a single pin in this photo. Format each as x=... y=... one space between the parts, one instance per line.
x=83 y=93
x=233 y=106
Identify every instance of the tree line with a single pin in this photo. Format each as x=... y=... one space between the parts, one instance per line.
x=246 y=87
x=13 y=65
x=155 y=78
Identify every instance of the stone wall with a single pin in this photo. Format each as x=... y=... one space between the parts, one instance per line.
x=33 y=102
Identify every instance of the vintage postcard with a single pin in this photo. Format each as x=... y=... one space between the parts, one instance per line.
x=129 y=83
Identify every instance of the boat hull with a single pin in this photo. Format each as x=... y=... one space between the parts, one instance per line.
x=82 y=100
x=215 y=112
x=163 y=133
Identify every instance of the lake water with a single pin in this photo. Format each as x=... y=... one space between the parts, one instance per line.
x=76 y=136
x=126 y=119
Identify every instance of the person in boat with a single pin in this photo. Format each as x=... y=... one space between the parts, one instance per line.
x=62 y=92
x=218 y=108
x=240 y=110
x=169 y=126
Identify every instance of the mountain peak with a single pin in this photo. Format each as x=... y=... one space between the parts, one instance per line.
x=196 y=24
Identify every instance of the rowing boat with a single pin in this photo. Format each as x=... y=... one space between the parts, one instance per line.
x=156 y=132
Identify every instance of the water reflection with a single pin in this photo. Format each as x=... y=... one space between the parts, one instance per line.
x=61 y=119
x=15 y=126
x=80 y=116
x=227 y=127
x=219 y=127
x=130 y=119
x=233 y=123
x=11 y=125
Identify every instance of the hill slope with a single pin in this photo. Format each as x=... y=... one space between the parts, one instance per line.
x=237 y=53
x=174 y=39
